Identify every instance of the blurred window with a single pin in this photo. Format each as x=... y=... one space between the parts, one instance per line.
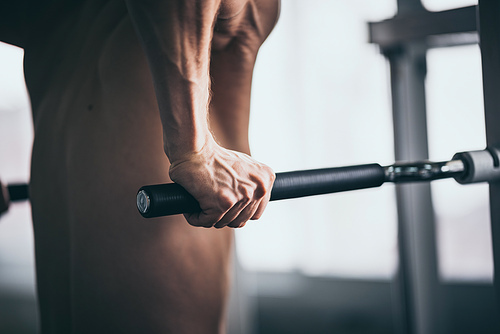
x=321 y=99
x=439 y=5
x=16 y=135
x=456 y=123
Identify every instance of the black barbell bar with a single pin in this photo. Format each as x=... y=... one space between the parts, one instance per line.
x=466 y=167
x=171 y=198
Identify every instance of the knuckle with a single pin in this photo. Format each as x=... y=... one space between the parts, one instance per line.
x=266 y=179
x=246 y=194
x=271 y=175
x=262 y=189
x=260 y=192
x=226 y=203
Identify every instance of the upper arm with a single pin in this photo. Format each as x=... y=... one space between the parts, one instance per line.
x=175 y=32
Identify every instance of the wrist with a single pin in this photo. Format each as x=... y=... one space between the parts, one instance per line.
x=178 y=149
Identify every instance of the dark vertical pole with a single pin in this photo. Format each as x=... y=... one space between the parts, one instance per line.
x=417 y=280
x=489 y=39
x=409 y=6
x=417 y=285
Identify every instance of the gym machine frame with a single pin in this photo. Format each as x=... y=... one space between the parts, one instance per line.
x=404 y=40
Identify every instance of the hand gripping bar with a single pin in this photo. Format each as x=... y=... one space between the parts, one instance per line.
x=170 y=199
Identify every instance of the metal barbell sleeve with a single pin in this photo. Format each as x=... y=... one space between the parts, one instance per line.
x=480 y=166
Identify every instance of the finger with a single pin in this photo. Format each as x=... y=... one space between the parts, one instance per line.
x=245 y=215
x=203 y=219
x=212 y=213
x=262 y=206
x=193 y=219
x=246 y=194
x=232 y=214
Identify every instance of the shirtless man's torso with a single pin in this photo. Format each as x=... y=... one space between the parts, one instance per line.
x=102 y=268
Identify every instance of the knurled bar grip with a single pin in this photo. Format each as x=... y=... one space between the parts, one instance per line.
x=170 y=199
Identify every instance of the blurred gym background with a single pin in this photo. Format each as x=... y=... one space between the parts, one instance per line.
x=321 y=98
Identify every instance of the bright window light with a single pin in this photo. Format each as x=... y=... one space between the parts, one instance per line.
x=439 y=5
x=321 y=99
x=456 y=123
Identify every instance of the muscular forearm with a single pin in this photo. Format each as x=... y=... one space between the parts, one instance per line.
x=176 y=36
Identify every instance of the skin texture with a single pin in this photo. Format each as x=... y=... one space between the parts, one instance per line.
x=104 y=126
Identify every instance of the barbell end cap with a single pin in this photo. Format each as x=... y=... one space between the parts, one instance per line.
x=143 y=202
